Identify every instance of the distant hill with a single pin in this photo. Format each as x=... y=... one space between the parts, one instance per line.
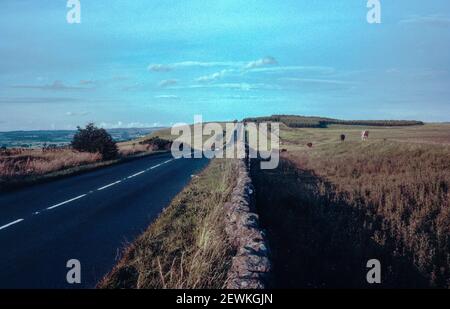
x=32 y=139
x=294 y=121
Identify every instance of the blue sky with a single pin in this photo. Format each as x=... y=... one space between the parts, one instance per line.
x=151 y=63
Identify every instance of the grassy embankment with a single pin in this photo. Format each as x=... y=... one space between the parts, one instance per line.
x=186 y=246
x=332 y=207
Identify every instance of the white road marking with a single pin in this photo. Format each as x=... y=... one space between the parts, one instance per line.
x=9 y=224
x=168 y=161
x=110 y=185
x=153 y=167
x=66 y=202
x=137 y=174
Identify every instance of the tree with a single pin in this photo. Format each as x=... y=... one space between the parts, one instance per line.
x=93 y=139
x=157 y=143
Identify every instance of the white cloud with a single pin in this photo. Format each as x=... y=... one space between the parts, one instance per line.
x=261 y=63
x=128 y=125
x=299 y=69
x=206 y=64
x=191 y=64
x=232 y=67
x=210 y=64
x=320 y=81
x=167 y=83
x=55 y=86
x=167 y=96
x=160 y=68
x=73 y=114
x=237 y=86
x=87 y=82
x=430 y=20
x=213 y=77
x=32 y=100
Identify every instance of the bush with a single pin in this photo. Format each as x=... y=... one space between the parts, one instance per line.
x=157 y=143
x=93 y=139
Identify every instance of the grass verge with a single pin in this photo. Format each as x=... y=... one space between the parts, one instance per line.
x=186 y=246
x=20 y=181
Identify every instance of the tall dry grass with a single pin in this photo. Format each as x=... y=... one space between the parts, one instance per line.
x=18 y=163
x=129 y=149
x=186 y=247
x=385 y=199
x=406 y=186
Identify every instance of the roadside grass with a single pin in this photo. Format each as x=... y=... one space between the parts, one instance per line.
x=186 y=246
x=332 y=207
x=19 y=167
x=19 y=163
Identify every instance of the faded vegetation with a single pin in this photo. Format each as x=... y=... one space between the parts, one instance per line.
x=186 y=246
x=332 y=207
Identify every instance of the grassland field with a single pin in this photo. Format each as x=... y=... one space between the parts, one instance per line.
x=331 y=207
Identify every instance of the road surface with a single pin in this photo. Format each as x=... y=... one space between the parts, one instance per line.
x=88 y=217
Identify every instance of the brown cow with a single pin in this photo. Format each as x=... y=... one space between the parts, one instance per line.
x=342 y=137
x=364 y=135
x=309 y=145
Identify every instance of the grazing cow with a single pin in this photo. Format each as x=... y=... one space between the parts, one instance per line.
x=284 y=150
x=342 y=137
x=364 y=135
x=309 y=145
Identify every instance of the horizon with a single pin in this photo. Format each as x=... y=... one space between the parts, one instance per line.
x=151 y=64
x=230 y=120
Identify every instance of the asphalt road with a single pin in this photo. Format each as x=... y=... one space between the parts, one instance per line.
x=88 y=217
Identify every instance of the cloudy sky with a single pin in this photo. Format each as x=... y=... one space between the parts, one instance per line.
x=150 y=63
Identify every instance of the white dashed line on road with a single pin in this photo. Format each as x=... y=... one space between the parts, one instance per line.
x=9 y=224
x=66 y=202
x=153 y=167
x=137 y=174
x=110 y=185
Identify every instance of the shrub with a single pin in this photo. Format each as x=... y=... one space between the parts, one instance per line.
x=157 y=143
x=93 y=139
